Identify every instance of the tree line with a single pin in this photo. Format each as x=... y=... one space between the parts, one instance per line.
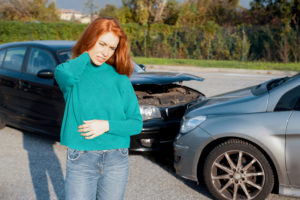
x=198 y=29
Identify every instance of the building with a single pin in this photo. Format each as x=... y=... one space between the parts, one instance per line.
x=73 y=15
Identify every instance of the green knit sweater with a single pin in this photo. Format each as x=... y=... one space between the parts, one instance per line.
x=97 y=92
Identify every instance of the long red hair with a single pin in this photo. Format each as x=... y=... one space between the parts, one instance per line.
x=120 y=60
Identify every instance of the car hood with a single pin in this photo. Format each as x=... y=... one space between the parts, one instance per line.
x=239 y=101
x=161 y=78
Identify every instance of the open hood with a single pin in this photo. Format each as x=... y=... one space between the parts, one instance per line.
x=161 y=78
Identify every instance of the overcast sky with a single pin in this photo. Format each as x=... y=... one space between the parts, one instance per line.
x=79 y=4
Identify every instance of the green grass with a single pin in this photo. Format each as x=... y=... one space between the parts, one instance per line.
x=219 y=63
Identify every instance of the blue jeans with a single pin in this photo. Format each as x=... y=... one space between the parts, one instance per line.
x=100 y=175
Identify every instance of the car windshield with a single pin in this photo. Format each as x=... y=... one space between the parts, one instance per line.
x=66 y=54
x=137 y=68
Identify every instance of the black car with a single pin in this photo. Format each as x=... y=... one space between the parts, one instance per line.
x=31 y=100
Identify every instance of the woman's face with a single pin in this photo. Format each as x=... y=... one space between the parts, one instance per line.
x=104 y=48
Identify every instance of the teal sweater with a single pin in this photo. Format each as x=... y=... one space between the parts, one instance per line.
x=97 y=92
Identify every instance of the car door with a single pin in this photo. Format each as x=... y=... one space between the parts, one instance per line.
x=43 y=103
x=12 y=60
x=291 y=100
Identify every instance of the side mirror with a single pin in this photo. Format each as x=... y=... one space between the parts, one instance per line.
x=46 y=73
x=142 y=66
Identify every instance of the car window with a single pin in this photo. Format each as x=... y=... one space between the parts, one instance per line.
x=289 y=101
x=64 y=55
x=39 y=59
x=14 y=58
x=297 y=107
x=2 y=53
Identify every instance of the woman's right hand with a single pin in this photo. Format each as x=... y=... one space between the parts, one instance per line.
x=93 y=128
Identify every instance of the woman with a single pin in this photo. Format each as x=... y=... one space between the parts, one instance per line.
x=101 y=113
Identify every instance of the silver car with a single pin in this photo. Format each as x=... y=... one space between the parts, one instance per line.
x=244 y=144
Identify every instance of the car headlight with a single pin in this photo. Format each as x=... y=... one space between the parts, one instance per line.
x=149 y=112
x=189 y=124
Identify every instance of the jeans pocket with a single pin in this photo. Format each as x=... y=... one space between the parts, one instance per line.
x=123 y=151
x=74 y=154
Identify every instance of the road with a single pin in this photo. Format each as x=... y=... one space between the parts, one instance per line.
x=33 y=166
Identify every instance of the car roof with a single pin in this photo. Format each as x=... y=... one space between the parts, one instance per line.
x=49 y=44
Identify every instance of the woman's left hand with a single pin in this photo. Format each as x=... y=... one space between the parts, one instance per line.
x=93 y=128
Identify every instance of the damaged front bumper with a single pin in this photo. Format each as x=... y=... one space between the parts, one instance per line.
x=156 y=135
x=159 y=134
x=172 y=100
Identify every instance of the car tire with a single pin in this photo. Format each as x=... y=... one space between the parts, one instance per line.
x=236 y=169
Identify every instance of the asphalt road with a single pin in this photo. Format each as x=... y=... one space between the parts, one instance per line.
x=33 y=166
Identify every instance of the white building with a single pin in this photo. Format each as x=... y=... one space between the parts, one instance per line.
x=72 y=15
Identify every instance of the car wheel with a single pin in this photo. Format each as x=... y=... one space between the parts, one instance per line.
x=235 y=169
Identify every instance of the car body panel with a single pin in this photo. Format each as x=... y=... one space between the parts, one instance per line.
x=292 y=149
x=190 y=154
x=227 y=103
x=43 y=103
x=8 y=85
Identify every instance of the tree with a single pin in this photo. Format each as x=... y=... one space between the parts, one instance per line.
x=189 y=15
x=271 y=12
x=295 y=12
x=147 y=11
x=91 y=7
x=159 y=10
x=199 y=12
x=108 y=11
x=28 y=10
x=15 y=9
x=171 y=12
x=42 y=12
x=223 y=12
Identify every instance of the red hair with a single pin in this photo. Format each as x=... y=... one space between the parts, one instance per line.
x=120 y=60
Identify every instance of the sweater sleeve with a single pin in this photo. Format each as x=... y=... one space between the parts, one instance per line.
x=133 y=123
x=68 y=73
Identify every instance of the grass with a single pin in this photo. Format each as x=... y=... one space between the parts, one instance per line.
x=219 y=63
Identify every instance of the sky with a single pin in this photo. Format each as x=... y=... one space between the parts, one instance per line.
x=79 y=4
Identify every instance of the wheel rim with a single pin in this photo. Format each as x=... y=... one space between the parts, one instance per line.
x=237 y=175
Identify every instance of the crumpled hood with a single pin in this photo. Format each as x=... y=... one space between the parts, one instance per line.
x=161 y=78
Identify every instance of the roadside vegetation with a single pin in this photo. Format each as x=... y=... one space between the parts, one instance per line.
x=218 y=33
